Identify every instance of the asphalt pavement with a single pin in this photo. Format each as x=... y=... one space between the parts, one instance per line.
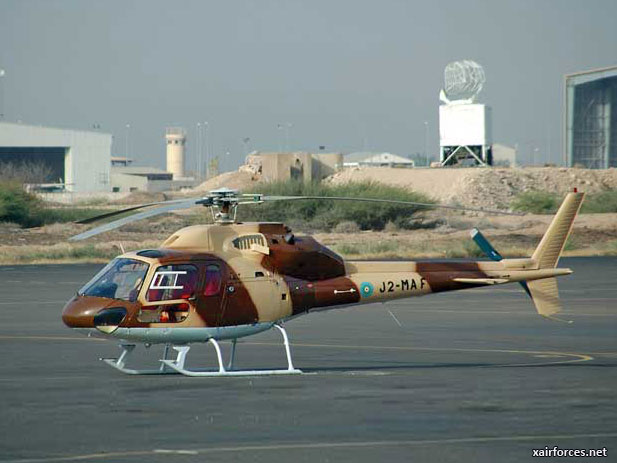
x=467 y=376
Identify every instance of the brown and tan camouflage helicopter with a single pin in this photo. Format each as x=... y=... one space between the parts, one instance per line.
x=228 y=280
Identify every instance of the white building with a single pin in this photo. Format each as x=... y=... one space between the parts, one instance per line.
x=367 y=158
x=151 y=179
x=80 y=161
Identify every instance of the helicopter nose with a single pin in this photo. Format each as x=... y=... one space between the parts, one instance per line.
x=80 y=311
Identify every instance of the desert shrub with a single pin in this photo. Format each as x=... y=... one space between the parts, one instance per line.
x=326 y=214
x=346 y=227
x=25 y=172
x=19 y=206
x=600 y=202
x=68 y=214
x=535 y=202
x=391 y=227
x=543 y=202
x=27 y=210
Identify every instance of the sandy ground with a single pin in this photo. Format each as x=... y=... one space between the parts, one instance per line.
x=481 y=187
x=477 y=187
x=594 y=234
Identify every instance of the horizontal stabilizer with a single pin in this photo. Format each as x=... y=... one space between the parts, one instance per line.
x=482 y=281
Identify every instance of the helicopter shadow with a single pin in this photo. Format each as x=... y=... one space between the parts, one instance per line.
x=435 y=366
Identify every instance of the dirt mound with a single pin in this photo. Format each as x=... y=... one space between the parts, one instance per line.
x=237 y=180
x=483 y=187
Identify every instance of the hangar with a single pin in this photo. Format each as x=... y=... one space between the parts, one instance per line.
x=591 y=118
x=79 y=161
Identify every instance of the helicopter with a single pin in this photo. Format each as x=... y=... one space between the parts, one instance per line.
x=229 y=280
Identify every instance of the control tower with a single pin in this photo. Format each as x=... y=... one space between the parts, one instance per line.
x=176 y=140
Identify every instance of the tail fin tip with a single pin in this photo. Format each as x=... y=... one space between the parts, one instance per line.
x=551 y=246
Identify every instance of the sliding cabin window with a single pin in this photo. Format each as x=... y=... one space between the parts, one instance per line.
x=170 y=283
x=173 y=282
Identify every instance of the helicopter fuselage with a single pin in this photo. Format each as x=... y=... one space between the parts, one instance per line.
x=230 y=281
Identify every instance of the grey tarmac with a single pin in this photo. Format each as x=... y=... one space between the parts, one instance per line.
x=473 y=375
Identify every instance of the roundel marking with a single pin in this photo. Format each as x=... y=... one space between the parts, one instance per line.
x=366 y=289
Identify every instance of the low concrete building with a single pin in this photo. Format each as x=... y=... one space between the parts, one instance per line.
x=150 y=179
x=300 y=165
x=368 y=158
x=79 y=161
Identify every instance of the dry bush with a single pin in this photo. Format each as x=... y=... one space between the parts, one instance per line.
x=25 y=172
x=391 y=227
x=347 y=226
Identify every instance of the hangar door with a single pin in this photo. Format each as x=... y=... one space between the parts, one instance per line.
x=49 y=162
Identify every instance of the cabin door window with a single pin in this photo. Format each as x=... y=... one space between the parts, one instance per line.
x=170 y=294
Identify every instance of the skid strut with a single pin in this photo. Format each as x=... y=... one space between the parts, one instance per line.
x=127 y=350
x=178 y=364
x=169 y=366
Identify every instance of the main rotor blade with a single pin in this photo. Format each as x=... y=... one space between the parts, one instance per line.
x=176 y=205
x=128 y=209
x=390 y=201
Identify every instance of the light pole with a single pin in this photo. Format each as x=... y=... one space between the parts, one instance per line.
x=198 y=156
x=2 y=74
x=279 y=127
x=246 y=141
x=288 y=126
x=126 y=141
x=426 y=142
x=206 y=148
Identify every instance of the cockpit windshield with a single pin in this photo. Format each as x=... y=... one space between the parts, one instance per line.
x=120 y=279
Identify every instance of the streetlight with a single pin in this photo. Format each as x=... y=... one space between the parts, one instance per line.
x=426 y=141
x=126 y=141
x=198 y=157
x=206 y=145
x=288 y=126
x=246 y=141
x=279 y=127
x=2 y=74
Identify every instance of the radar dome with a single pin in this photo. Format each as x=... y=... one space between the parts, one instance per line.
x=463 y=80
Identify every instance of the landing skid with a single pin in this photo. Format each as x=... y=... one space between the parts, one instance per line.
x=127 y=349
x=169 y=366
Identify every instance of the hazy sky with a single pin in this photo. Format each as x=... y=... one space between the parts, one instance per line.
x=350 y=75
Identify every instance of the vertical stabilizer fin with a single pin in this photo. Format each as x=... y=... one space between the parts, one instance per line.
x=545 y=296
x=548 y=251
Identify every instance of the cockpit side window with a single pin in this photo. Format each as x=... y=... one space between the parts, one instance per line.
x=171 y=282
x=213 y=280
